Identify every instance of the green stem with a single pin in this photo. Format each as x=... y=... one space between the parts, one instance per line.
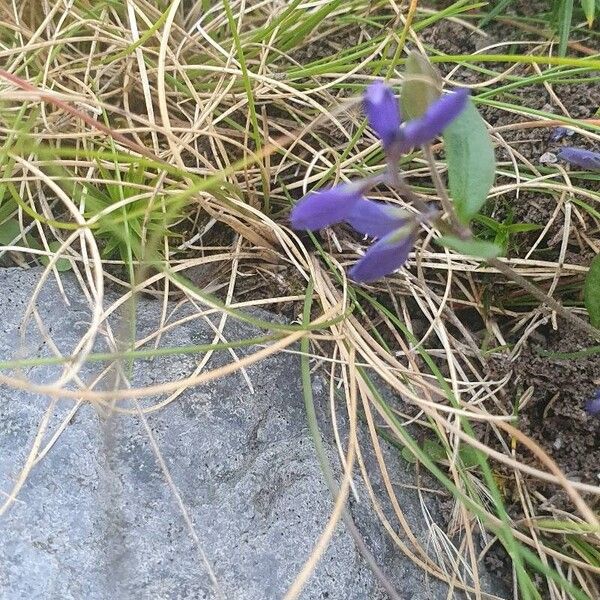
x=550 y=302
x=313 y=426
x=460 y=230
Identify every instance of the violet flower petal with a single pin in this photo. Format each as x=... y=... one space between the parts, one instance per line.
x=593 y=406
x=586 y=159
x=383 y=112
x=376 y=218
x=437 y=117
x=384 y=257
x=326 y=207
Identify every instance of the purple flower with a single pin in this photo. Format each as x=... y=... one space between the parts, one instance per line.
x=376 y=219
x=385 y=256
x=586 y=159
x=327 y=207
x=593 y=406
x=436 y=118
x=383 y=112
x=345 y=203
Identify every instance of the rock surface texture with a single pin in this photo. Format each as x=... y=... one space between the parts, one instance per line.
x=98 y=519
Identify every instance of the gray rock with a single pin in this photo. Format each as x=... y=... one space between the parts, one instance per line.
x=96 y=518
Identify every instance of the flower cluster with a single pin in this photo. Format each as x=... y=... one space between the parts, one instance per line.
x=394 y=228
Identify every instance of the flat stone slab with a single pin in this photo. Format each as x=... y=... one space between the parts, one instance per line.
x=97 y=518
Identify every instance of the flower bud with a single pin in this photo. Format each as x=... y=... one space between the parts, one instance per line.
x=586 y=159
x=383 y=112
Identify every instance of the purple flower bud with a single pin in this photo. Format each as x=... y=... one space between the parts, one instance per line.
x=326 y=207
x=586 y=159
x=383 y=112
x=437 y=117
x=376 y=218
x=558 y=133
x=385 y=256
x=593 y=406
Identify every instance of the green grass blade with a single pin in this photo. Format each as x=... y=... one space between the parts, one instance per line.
x=256 y=134
x=591 y=292
x=565 y=16
x=589 y=9
x=496 y=10
x=132 y=355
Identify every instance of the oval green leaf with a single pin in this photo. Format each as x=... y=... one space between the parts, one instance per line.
x=471 y=457
x=591 y=292
x=434 y=450
x=472 y=247
x=471 y=162
x=421 y=87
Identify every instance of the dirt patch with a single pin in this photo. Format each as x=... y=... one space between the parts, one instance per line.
x=555 y=415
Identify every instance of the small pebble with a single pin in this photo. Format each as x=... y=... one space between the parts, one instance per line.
x=548 y=158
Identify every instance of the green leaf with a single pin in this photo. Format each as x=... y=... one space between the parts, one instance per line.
x=565 y=16
x=470 y=456
x=421 y=87
x=305 y=27
x=554 y=525
x=9 y=231
x=584 y=549
x=434 y=450
x=501 y=239
x=523 y=227
x=490 y=223
x=62 y=264
x=472 y=247
x=591 y=292
x=471 y=162
x=589 y=8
